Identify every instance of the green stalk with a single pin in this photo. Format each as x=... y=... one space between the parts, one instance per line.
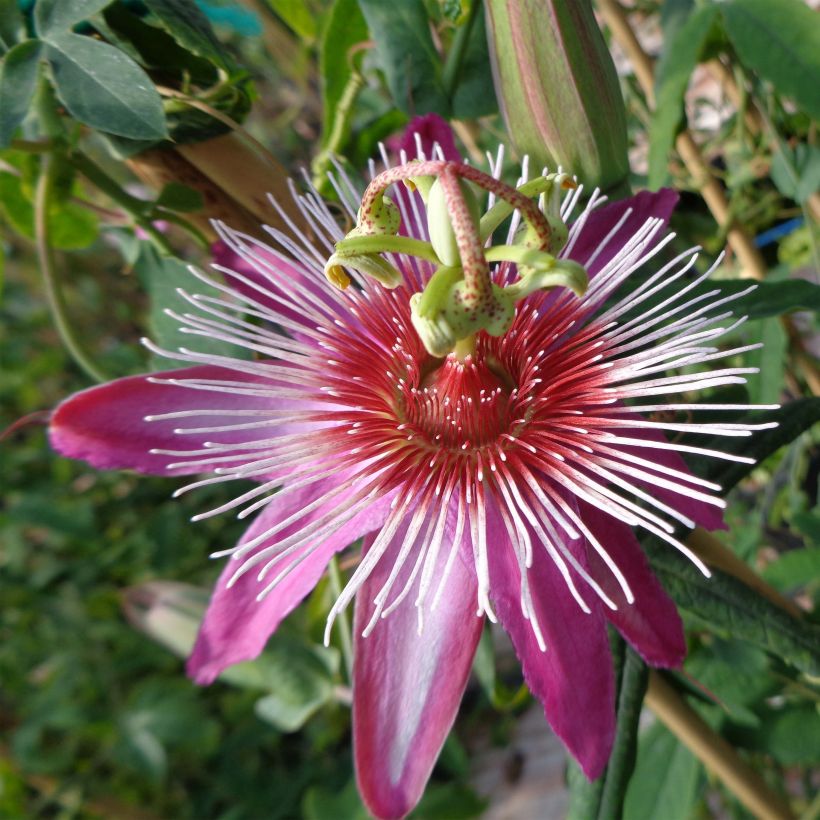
x=345 y=635
x=45 y=256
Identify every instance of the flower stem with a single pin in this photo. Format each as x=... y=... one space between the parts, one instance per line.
x=713 y=751
x=345 y=637
x=139 y=209
x=45 y=257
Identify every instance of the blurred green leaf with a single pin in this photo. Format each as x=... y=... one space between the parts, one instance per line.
x=189 y=26
x=666 y=779
x=680 y=56
x=472 y=93
x=11 y=24
x=796 y=171
x=737 y=674
x=297 y=15
x=795 y=569
x=345 y=28
x=104 y=88
x=71 y=226
x=320 y=803
x=18 y=81
x=791 y=735
x=728 y=607
x=406 y=54
x=603 y=799
x=297 y=675
x=781 y=42
x=58 y=16
x=162 y=276
x=178 y=197
x=771 y=298
x=448 y=801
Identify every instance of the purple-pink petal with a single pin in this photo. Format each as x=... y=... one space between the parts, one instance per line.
x=106 y=425
x=651 y=623
x=573 y=678
x=407 y=687
x=704 y=515
x=236 y=626
x=600 y=223
x=430 y=129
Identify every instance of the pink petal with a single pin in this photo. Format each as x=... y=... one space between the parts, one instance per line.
x=106 y=426
x=277 y=285
x=407 y=686
x=651 y=624
x=573 y=679
x=430 y=129
x=704 y=515
x=236 y=626
x=644 y=205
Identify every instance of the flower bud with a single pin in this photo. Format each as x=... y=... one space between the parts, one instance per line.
x=557 y=86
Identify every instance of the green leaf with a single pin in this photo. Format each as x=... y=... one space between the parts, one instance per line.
x=771 y=298
x=297 y=675
x=791 y=735
x=104 y=88
x=11 y=24
x=406 y=54
x=666 y=780
x=680 y=56
x=781 y=42
x=184 y=20
x=54 y=17
x=162 y=276
x=70 y=226
x=473 y=93
x=323 y=804
x=345 y=28
x=18 y=81
x=766 y=386
x=297 y=15
x=794 y=570
x=726 y=606
x=178 y=197
x=792 y=420
x=796 y=171
x=737 y=674
x=603 y=799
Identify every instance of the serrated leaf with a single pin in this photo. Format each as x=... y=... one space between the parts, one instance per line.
x=189 y=26
x=346 y=27
x=792 y=420
x=104 y=88
x=727 y=606
x=603 y=798
x=18 y=81
x=666 y=779
x=406 y=54
x=58 y=16
x=781 y=42
x=680 y=56
x=162 y=276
